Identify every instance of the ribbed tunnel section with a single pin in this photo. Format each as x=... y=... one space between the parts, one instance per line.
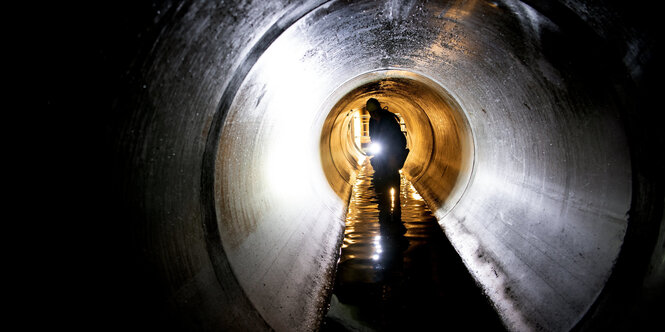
x=244 y=168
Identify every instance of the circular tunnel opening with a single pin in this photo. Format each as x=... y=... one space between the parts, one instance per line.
x=437 y=131
x=524 y=140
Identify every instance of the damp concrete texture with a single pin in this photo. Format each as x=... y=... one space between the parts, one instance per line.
x=531 y=133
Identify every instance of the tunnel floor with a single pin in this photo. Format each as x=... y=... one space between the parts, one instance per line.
x=398 y=271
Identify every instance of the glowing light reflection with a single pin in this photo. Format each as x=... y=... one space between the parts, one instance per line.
x=287 y=106
x=375 y=148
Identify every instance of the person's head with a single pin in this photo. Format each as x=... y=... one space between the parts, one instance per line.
x=373 y=107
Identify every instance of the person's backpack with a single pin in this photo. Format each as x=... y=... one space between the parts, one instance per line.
x=405 y=152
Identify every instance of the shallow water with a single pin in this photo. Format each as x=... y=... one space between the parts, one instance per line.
x=397 y=270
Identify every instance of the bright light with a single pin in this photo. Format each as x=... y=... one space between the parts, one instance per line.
x=375 y=148
x=289 y=158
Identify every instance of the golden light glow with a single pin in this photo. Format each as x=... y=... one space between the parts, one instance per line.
x=357 y=131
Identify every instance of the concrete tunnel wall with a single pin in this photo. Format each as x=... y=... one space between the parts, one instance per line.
x=242 y=216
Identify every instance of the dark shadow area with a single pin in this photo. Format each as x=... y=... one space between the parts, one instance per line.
x=100 y=276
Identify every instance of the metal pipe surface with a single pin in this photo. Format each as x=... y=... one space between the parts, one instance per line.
x=523 y=138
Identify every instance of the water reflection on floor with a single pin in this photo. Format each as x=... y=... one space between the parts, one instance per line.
x=397 y=270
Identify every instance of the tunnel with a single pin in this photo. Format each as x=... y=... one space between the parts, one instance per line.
x=531 y=128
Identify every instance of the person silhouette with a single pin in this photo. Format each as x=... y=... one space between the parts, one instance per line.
x=388 y=158
x=388 y=142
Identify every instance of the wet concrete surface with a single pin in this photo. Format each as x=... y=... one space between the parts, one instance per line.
x=397 y=270
x=218 y=110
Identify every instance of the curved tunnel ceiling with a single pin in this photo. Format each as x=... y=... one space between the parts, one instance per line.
x=519 y=146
